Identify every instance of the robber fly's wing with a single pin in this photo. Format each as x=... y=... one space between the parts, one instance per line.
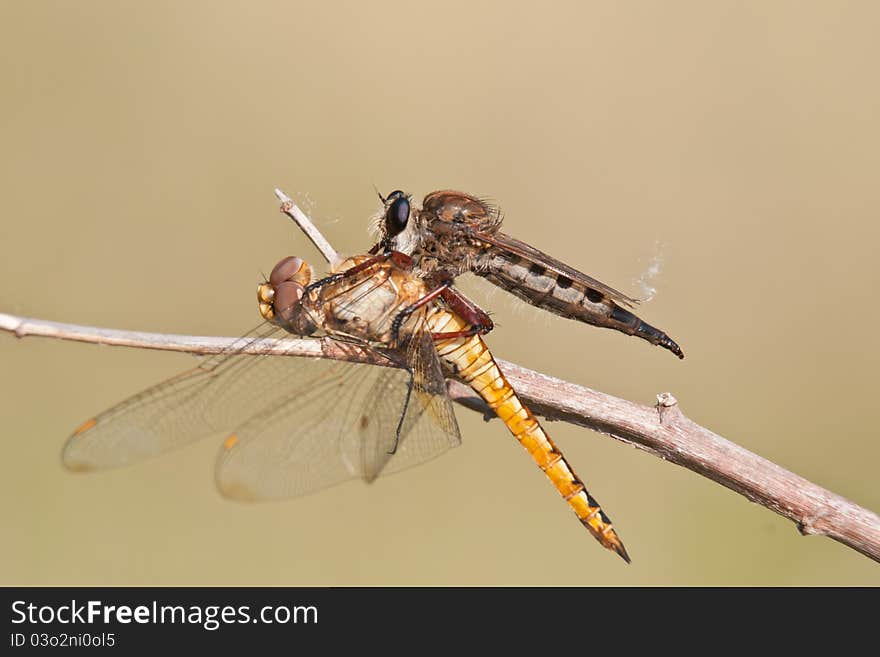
x=363 y=421
x=539 y=258
x=217 y=395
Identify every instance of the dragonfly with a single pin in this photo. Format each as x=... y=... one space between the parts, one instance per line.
x=299 y=425
x=453 y=232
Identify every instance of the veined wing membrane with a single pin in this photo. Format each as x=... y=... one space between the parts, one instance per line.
x=530 y=253
x=217 y=395
x=362 y=422
x=299 y=424
x=222 y=392
x=429 y=397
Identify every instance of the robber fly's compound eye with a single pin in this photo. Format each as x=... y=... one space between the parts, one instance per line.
x=396 y=212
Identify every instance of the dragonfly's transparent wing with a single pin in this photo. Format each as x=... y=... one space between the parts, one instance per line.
x=299 y=424
x=429 y=402
x=427 y=420
x=222 y=392
x=365 y=421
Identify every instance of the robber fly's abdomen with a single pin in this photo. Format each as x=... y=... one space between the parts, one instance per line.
x=473 y=363
x=562 y=296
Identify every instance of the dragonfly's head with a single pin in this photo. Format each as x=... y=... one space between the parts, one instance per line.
x=280 y=298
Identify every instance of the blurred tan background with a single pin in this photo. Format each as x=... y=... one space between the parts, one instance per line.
x=739 y=142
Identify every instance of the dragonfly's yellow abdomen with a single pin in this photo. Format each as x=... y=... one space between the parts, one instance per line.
x=472 y=362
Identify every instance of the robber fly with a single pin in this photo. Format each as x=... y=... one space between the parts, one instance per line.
x=453 y=232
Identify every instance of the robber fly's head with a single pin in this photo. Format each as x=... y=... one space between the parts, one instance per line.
x=391 y=225
x=397 y=209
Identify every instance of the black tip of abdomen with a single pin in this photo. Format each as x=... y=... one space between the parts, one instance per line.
x=672 y=345
x=637 y=327
x=658 y=337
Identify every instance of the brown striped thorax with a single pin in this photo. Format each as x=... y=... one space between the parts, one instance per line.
x=452 y=233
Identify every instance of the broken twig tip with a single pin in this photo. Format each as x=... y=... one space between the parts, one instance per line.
x=665 y=401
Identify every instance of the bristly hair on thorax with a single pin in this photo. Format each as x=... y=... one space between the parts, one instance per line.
x=432 y=236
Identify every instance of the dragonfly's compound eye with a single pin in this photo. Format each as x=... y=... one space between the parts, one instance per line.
x=396 y=213
x=279 y=298
x=287 y=270
x=287 y=295
x=289 y=312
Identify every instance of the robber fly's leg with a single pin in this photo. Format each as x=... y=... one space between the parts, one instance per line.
x=476 y=317
x=451 y=335
x=406 y=312
x=396 y=257
x=479 y=322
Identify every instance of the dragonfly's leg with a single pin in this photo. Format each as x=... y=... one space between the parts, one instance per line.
x=476 y=317
x=406 y=401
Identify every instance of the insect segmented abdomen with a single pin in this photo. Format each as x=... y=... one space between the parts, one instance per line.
x=545 y=289
x=471 y=359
